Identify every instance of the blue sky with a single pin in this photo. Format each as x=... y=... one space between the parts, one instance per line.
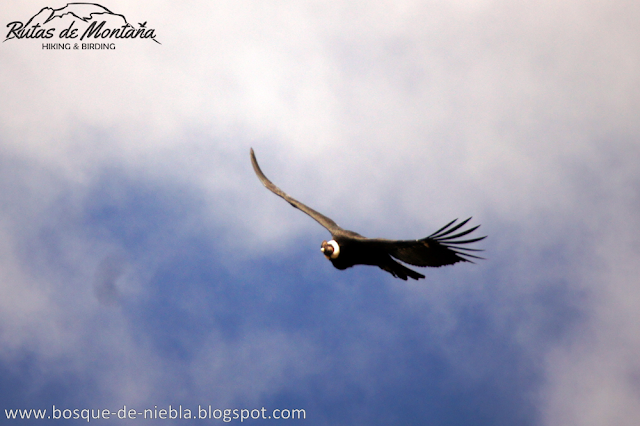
x=143 y=264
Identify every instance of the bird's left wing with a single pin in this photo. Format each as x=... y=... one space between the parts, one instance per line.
x=438 y=249
x=319 y=217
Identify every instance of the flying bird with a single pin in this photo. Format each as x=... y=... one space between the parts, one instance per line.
x=348 y=248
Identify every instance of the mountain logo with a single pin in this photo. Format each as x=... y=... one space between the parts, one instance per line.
x=78 y=22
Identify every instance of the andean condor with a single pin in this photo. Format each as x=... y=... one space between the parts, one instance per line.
x=348 y=248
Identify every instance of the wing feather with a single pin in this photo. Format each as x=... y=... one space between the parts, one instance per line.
x=443 y=228
x=458 y=235
x=329 y=224
x=444 y=231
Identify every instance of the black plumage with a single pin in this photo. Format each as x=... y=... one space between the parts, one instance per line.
x=348 y=248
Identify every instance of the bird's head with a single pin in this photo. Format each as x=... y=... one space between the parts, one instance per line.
x=330 y=249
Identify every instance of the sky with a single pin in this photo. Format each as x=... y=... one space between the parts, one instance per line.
x=142 y=263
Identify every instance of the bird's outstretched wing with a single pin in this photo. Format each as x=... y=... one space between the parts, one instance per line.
x=438 y=249
x=319 y=217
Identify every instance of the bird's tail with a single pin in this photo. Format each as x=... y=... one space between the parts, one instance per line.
x=398 y=270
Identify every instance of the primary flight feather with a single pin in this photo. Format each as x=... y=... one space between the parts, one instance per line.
x=347 y=248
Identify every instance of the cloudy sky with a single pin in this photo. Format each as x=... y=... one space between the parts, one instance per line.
x=143 y=264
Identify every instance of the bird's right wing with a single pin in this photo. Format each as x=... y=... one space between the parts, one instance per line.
x=319 y=217
x=443 y=247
